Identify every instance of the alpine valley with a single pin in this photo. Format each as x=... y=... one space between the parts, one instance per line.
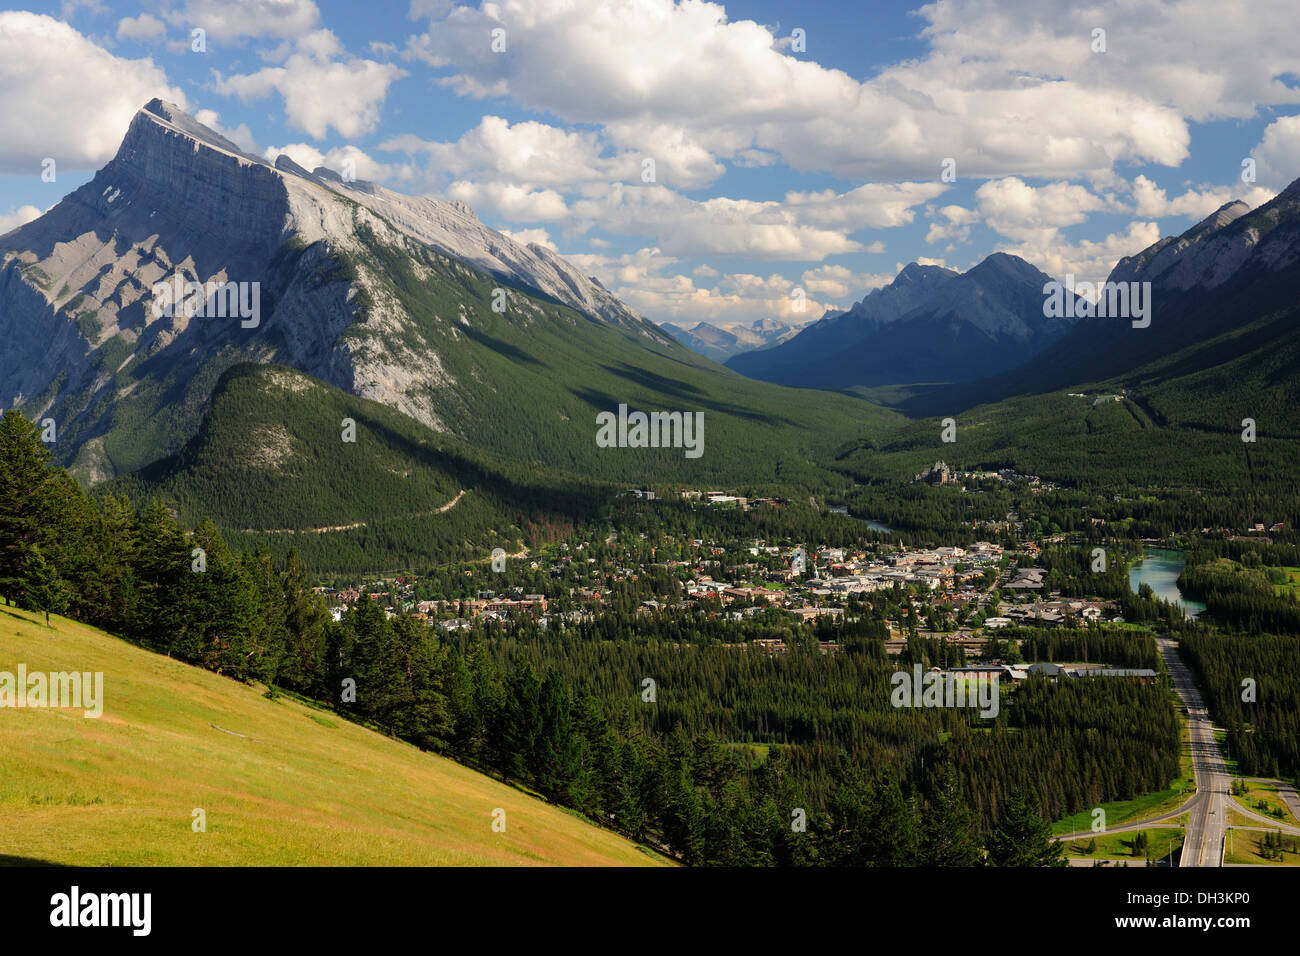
x=361 y=450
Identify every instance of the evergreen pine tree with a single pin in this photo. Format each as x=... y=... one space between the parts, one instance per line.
x=948 y=836
x=26 y=510
x=1022 y=838
x=43 y=588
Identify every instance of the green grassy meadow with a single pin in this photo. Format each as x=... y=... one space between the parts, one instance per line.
x=1119 y=846
x=281 y=782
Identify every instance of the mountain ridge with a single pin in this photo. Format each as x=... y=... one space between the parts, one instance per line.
x=720 y=342
x=373 y=303
x=929 y=324
x=1233 y=268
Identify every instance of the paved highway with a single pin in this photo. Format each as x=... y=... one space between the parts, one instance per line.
x=1208 y=810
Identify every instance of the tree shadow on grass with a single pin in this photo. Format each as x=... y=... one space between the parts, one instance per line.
x=7 y=860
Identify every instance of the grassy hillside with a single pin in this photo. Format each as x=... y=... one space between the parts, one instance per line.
x=269 y=466
x=1065 y=438
x=281 y=782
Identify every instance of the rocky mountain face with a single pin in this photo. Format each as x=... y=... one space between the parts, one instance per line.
x=88 y=345
x=452 y=228
x=1183 y=261
x=928 y=325
x=1212 y=291
x=912 y=287
x=721 y=342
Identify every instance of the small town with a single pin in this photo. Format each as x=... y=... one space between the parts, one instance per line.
x=958 y=595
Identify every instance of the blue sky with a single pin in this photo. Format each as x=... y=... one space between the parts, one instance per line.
x=776 y=168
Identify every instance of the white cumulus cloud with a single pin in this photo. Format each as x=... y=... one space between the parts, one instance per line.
x=144 y=27
x=322 y=87
x=17 y=217
x=65 y=97
x=1277 y=156
x=233 y=19
x=1153 y=202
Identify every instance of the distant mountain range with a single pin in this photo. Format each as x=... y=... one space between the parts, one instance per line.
x=721 y=342
x=1163 y=404
x=1224 y=330
x=929 y=325
x=1225 y=320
